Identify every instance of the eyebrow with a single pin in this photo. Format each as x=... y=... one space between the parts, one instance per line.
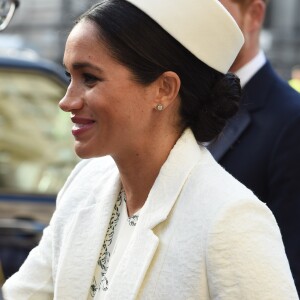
x=82 y=65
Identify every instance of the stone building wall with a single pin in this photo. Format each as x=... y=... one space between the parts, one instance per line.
x=43 y=25
x=284 y=27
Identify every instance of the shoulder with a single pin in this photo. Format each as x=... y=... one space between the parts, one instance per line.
x=269 y=84
x=272 y=104
x=214 y=181
x=214 y=190
x=242 y=237
x=86 y=175
x=89 y=168
x=99 y=164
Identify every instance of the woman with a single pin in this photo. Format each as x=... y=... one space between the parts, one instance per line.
x=148 y=213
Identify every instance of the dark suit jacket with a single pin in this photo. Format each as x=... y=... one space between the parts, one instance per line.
x=261 y=147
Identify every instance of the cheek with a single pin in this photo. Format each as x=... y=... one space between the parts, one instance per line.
x=95 y=102
x=119 y=106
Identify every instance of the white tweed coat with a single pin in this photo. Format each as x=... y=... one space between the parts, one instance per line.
x=201 y=235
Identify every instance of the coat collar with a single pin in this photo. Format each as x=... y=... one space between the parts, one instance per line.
x=162 y=197
x=172 y=176
x=79 y=256
x=255 y=92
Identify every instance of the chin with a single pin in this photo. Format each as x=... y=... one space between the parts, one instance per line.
x=86 y=153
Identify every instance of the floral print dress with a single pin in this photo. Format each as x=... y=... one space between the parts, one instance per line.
x=118 y=234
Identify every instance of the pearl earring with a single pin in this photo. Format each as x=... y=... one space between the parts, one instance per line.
x=159 y=107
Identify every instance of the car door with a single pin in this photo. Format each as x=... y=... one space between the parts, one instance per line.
x=36 y=153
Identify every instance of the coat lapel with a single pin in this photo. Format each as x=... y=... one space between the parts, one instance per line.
x=256 y=91
x=135 y=262
x=85 y=239
x=230 y=134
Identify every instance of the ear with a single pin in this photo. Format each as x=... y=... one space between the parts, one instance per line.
x=255 y=15
x=168 y=89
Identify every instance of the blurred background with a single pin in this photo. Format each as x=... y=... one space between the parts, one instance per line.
x=43 y=25
x=36 y=147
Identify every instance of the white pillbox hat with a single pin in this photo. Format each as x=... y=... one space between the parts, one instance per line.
x=204 y=27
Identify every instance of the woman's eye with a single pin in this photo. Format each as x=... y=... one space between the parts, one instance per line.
x=89 y=79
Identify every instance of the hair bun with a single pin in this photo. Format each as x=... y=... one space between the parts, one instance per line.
x=222 y=104
x=225 y=96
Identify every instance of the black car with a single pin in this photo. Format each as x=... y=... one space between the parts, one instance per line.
x=36 y=153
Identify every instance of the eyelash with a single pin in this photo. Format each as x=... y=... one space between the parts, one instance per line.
x=88 y=79
x=68 y=75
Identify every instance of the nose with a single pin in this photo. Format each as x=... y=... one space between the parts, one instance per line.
x=71 y=101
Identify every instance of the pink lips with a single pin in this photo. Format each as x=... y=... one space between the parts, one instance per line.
x=81 y=125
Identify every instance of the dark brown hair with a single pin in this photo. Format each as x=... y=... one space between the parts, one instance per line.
x=208 y=97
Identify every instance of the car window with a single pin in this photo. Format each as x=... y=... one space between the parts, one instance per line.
x=36 y=147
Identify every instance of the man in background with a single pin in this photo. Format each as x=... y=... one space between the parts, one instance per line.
x=261 y=144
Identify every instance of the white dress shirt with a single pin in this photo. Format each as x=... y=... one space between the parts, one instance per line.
x=248 y=70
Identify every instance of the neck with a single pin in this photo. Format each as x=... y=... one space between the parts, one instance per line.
x=140 y=168
x=250 y=49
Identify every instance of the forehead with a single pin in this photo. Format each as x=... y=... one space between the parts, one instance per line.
x=83 y=34
x=85 y=44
